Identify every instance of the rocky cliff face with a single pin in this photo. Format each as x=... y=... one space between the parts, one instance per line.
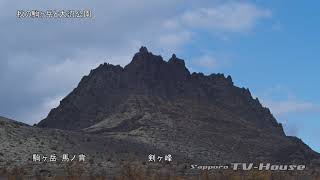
x=160 y=103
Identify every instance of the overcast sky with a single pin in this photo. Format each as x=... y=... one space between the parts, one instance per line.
x=265 y=46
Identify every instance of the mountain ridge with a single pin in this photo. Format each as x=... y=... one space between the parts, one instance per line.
x=161 y=103
x=146 y=61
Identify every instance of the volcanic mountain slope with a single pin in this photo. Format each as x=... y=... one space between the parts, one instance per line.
x=18 y=143
x=160 y=103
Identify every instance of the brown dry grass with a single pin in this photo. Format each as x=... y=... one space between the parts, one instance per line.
x=132 y=172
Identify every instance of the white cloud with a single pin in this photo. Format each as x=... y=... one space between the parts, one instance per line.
x=174 y=40
x=171 y=24
x=229 y=17
x=285 y=110
x=280 y=108
x=211 y=62
x=286 y=107
x=282 y=101
x=206 y=61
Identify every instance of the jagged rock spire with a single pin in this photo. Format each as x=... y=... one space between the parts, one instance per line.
x=143 y=49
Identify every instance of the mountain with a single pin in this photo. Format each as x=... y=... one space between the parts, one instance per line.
x=161 y=104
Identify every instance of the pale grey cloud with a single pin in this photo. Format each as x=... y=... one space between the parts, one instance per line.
x=40 y=110
x=211 y=61
x=285 y=111
x=225 y=17
x=288 y=106
x=175 y=40
x=208 y=62
x=282 y=101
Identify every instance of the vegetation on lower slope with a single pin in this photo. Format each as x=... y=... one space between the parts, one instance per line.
x=134 y=172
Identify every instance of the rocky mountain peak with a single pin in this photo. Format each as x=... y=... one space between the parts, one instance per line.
x=144 y=60
x=153 y=68
x=143 y=49
x=177 y=62
x=100 y=94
